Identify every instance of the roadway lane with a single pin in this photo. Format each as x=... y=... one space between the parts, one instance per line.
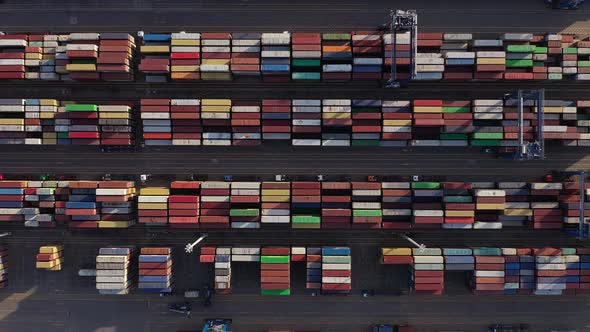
x=254 y=89
x=269 y=15
x=467 y=164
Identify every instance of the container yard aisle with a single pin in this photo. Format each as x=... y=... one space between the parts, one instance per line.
x=266 y=15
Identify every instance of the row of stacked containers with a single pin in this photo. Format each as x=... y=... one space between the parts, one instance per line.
x=300 y=122
x=298 y=204
x=491 y=271
x=281 y=57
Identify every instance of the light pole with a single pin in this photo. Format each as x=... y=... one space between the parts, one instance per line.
x=189 y=247
x=418 y=245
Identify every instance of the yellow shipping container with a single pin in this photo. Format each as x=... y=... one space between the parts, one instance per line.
x=336 y=115
x=518 y=212
x=113 y=224
x=49 y=141
x=453 y=213
x=185 y=42
x=482 y=206
x=155 y=49
x=80 y=67
x=215 y=108
x=215 y=61
x=396 y=251
x=114 y=115
x=276 y=192
x=152 y=206
x=45 y=265
x=491 y=61
x=48 y=102
x=50 y=249
x=55 y=268
x=275 y=199
x=47 y=115
x=225 y=102
x=427 y=109
x=33 y=56
x=154 y=191
x=12 y=121
x=185 y=68
x=550 y=109
x=397 y=122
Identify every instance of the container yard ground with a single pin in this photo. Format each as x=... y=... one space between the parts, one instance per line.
x=61 y=301
x=268 y=15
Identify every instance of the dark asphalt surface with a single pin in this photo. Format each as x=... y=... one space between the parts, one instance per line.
x=269 y=15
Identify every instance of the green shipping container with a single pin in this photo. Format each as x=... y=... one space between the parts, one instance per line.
x=63 y=135
x=306 y=62
x=519 y=63
x=487 y=252
x=458 y=199
x=453 y=136
x=457 y=252
x=488 y=135
x=540 y=50
x=520 y=48
x=81 y=108
x=585 y=63
x=275 y=259
x=485 y=142
x=452 y=109
x=365 y=142
x=243 y=212
x=336 y=36
x=306 y=219
x=367 y=213
x=569 y=50
x=306 y=76
x=568 y=251
x=555 y=76
x=425 y=185
x=275 y=292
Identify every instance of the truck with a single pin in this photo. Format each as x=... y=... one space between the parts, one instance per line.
x=217 y=325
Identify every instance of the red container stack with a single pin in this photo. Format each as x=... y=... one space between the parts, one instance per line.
x=215 y=204
x=397 y=205
x=336 y=204
x=245 y=123
x=185 y=115
x=276 y=120
x=184 y=204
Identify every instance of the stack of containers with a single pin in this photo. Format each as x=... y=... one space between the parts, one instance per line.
x=155 y=57
x=307 y=56
x=62 y=57
x=336 y=57
x=366 y=122
x=276 y=203
x=207 y=254
x=490 y=59
x=245 y=205
x=510 y=123
x=61 y=197
x=156 y=125
x=572 y=265
x=82 y=52
x=41 y=195
x=155 y=270
x=428 y=119
x=551 y=271
x=3 y=267
x=50 y=258
x=336 y=270
x=396 y=256
x=33 y=57
x=116 y=125
x=397 y=123
x=276 y=120
x=542 y=60
x=47 y=113
x=366 y=205
x=12 y=56
x=489 y=273
x=488 y=129
x=117 y=207
x=215 y=56
x=245 y=254
x=115 y=56
x=185 y=115
x=245 y=123
x=81 y=205
x=215 y=204
x=570 y=204
x=275 y=259
x=367 y=49
x=584 y=254
x=427 y=273
x=185 y=56
x=397 y=205
x=517 y=210
x=115 y=274
x=307 y=122
x=306 y=207
x=222 y=270
x=583 y=123
x=511 y=271
x=527 y=270
x=184 y=204
x=458 y=123
x=215 y=115
x=48 y=64
x=276 y=57
x=556 y=57
x=403 y=52
x=298 y=254
x=13 y=121
x=489 y=204
x=336 y=122
x=336 y=204
x=245 y=54
x=459 y=62
x=313 y=259
x=427 y=204
x=519 y=56
x=83 y=124
x=546 y=211
x=430 y=63
x=458 y=259
x=152 y=206
x=583 y=60
x=458 y=204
